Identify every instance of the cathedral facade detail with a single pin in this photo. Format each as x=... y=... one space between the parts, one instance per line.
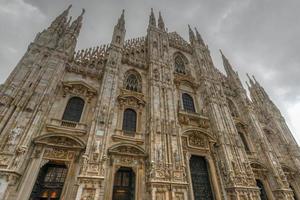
x=149 y=118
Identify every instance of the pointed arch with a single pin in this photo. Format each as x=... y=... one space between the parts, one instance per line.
x=180 y=63
x=133 y=81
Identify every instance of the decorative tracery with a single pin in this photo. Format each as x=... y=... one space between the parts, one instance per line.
x=180 y=64
x=133 y=81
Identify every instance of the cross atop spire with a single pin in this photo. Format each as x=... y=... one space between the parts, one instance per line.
x=152 y=21
x=161 y=23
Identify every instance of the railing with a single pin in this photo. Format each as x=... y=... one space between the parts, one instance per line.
x=67 y=124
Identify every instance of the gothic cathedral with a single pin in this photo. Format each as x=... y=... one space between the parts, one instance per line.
x=148 y=118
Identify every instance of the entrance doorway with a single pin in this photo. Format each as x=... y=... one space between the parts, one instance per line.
x=50 y=182
x=262 y=191
x=124 y=184
x=200 y=178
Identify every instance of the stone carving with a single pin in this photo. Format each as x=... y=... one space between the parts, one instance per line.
x=195 y=139
x=88 y=194
x=56 y=153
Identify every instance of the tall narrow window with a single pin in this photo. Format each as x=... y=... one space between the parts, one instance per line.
x=263 y=194
x=232 y=108
x=188 y=103
x=244 y=141
x=129 y=121
x=294 y=193
x=132 y=83
x=73 y=109
x=179 y=64
x=49 y=183
x=124 y=184
x=200 y=178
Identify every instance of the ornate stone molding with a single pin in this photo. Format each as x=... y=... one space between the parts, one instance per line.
x=79 y=88
x=196 y=119
x=131 y=98
x=60 y=140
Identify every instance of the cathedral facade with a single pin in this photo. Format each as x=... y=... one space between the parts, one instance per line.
x=149 y=118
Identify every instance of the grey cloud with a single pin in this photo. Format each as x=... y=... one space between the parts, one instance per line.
x=258 y=36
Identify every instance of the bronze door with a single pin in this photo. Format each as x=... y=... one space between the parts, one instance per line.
x=49 y=183
x=124 y=186
x=200 y=179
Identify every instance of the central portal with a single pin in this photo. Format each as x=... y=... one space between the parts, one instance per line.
x=200 y=178
x=124 y=184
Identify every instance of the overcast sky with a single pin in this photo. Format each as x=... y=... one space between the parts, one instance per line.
x=260 y=37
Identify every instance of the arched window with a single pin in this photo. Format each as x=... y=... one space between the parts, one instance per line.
x=232 y=108
x=263 y=194
x=188 y=103
x=73 y=109
x=244 y=141
x=132 y=83
x=129 y=121
x=180 y=64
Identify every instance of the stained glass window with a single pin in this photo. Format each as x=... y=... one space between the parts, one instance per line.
x=188 y=103
x=179 y=64
x=73 y=109
x=132 y=83
x=129 y=121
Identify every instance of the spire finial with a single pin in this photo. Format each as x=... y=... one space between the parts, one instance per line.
x=152 y=21
x=199 y=37
x=121 y=21
x=161 y=23
x=250 y=80
x=227 y=65
x=191 y=34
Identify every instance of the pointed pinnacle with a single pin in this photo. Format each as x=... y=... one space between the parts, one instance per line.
x=121 y=20
x=199 y=37
x=191 y=34
x=152 y=20
x=161 y=23
x=250 y=80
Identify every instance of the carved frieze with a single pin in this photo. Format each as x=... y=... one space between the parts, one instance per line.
x=58 y=154
x=130 y=98
x=79 y=88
